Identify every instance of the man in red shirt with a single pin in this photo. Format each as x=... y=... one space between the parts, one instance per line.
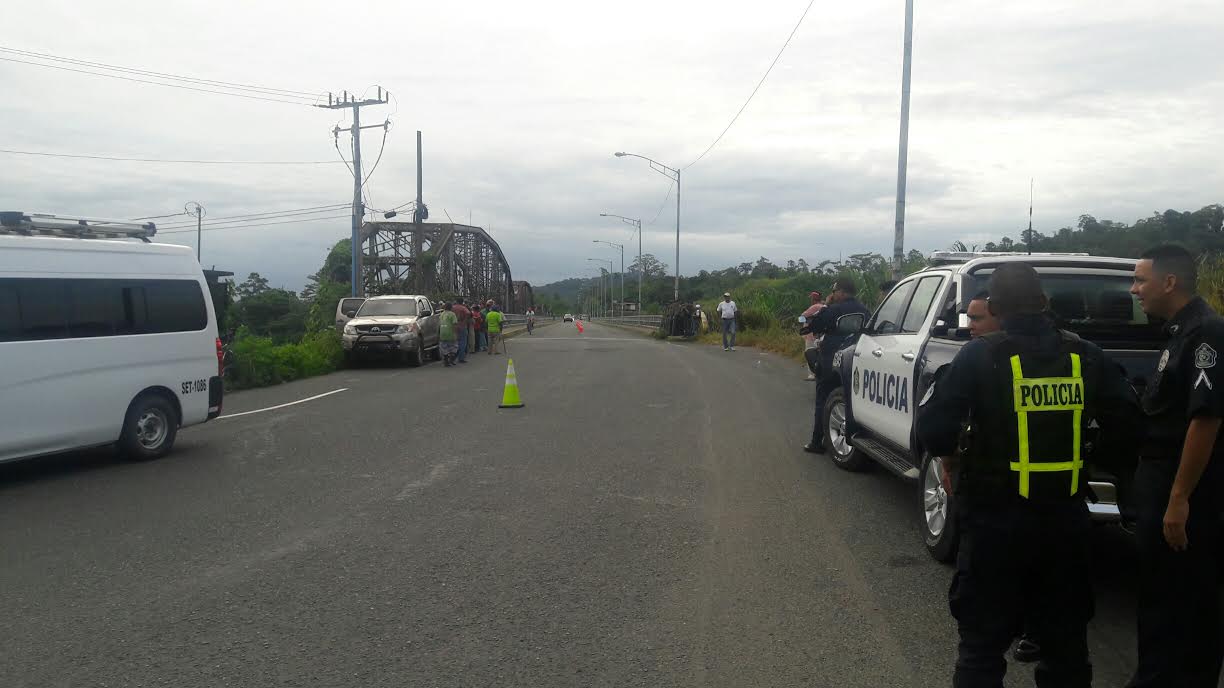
x=478 y=327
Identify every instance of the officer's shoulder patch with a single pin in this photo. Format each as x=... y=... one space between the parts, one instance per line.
x=930 y=392
x=1204 y=356
x=1164 y=361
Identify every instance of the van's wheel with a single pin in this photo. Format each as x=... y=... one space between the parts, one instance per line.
x=149 y=428
x=937 y=520
x=837 y=439
x=417 y=356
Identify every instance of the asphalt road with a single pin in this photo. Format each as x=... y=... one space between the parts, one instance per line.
x=646 y=520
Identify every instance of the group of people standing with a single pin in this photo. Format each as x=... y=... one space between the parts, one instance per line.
x=461 y=326
x=1017 y=419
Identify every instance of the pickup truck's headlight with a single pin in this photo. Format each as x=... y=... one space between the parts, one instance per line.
x=405 y=329
x=350 y=329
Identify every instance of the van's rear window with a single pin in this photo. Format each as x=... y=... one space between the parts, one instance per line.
x=52 y=308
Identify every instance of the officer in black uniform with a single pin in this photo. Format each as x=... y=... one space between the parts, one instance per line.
x=1178 y=481
x=843 y=300
x=1015 y=409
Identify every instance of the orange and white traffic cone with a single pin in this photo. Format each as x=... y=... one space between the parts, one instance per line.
x=578 y=323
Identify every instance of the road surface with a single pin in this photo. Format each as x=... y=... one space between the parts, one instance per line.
x=646 y=520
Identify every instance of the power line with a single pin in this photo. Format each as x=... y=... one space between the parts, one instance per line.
x=161 y=160
x=663 y=204
x=254 y=217
x=263 y=224
x=754 y=90
x=163 y=75
x=155 y=83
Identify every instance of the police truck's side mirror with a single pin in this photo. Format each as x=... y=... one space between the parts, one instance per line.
x=851 y=323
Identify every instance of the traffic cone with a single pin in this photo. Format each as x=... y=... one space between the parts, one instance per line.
x=579 y=324
x=510 y=396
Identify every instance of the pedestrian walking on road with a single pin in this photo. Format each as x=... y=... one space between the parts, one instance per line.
x=843 y=300
x=727 y=311
x=1033 y=394
x=1179 y=483
x=464 y=323
x=493 y=320
x=811 y=340
x=448 y=335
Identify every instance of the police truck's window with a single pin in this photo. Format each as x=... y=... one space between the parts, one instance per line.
x=377 y=307
x=920 y=305
x=888 y=318
x=1096 y=306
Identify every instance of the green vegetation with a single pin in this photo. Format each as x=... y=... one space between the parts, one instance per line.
x=279 y=336
x=771 y=297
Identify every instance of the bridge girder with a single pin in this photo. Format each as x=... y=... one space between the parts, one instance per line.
x=435 y=259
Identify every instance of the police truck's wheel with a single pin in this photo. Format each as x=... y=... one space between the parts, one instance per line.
x=417 y=356
x=837 y=440
x=149 y=428
x=937 y=522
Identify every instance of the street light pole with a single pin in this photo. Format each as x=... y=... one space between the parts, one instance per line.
x=674 y=175
x=621 y=248
x=903 y=144
x=638 y=224
x=609 y=262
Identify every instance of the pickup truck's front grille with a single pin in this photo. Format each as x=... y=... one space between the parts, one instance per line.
x=376 y=329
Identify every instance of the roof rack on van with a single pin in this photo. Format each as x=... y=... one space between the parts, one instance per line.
x=42 y=224
x=957 y=257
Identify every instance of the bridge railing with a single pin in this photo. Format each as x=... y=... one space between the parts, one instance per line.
x=652 y=321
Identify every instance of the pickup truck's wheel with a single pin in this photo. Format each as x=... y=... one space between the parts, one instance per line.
x=937 y=521
x=417 y=356
x=844 y=455
x=149 y=428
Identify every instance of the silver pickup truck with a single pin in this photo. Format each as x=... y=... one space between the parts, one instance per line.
x=402 y=326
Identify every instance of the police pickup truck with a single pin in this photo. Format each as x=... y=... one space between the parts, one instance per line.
x=896 y=356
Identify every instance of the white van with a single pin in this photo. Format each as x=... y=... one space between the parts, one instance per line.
x=101 y=341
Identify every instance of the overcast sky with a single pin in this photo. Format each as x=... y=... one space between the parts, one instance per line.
x=1116 y=107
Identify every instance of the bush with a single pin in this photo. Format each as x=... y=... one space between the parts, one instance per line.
x=259 y=362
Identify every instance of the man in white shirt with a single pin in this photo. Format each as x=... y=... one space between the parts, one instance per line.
x=727 y=310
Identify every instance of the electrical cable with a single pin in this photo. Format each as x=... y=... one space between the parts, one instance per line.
x=663 y=204
x=381 y=148
x=156 y=83
x=168 y=161
x=754 y=90
x=162 y=75
x=254 y=217
x=258 y=224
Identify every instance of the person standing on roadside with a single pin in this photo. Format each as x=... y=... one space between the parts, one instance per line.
x=478 y=327
x=1179 y=483
x=811 y=341
x=448 y=336
x=1011 y=412
x=493 y=320
x=843 y=300
x=464 y=323
x=726 y=311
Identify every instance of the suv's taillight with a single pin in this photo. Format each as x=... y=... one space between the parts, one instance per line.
x=220 y=358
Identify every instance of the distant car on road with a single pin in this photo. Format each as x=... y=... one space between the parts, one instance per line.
x=403 y=326
x=346 y=309
x=567 y=318
x=101 y=342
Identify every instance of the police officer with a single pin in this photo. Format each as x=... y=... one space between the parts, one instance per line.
x=1022 y=401
x=842 y=301
x=1178 y=481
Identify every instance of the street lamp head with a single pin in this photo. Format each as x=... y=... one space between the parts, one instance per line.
x=603 y=214
x=619 y=155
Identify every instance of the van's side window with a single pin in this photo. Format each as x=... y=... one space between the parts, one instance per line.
x=36 y=308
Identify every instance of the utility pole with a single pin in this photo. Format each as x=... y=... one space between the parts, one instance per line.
x=903 y=154
x=198 y=211
x=347 y=101
x=1030 y=229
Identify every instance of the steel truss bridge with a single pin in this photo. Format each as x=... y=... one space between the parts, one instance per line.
x=439 y=260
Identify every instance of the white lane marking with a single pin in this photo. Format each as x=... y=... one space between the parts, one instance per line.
x=280 y=406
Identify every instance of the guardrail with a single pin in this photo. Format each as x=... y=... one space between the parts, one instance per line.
x=652 y=321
